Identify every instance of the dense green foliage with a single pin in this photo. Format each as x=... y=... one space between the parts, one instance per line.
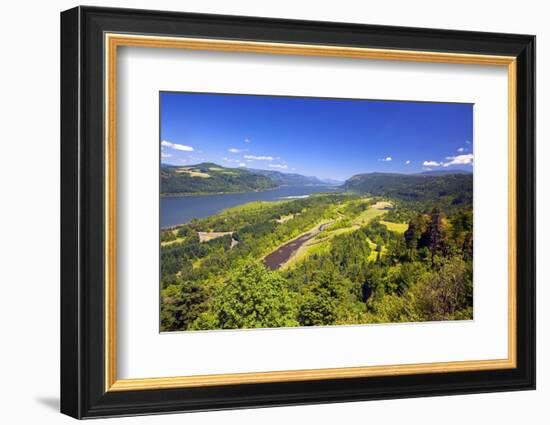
x=449 y=191
x=354 y=270
x=251 y=298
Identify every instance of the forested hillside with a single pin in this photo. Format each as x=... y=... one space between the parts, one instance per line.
x=447 y=190
x=213 y=178
x=210 y=178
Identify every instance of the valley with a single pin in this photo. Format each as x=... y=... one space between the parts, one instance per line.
x=334 y=257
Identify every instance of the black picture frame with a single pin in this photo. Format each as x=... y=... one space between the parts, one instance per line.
x=83 y=392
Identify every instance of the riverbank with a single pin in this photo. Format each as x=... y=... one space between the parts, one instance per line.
x=179 y=210
x=298 y=248
x=185 y=195
x=283 y=254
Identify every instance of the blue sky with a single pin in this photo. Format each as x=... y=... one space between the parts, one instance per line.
x=327 y=138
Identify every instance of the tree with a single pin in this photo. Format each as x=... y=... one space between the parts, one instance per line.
x=255 y=297
x=185 y=231
x=167 y=236
x=462 y=232
x=350 y=254
x=417 y=227
x=181 y=304
x=411 y=235
x=325 y=299
x=435 y=237
x=443 y=293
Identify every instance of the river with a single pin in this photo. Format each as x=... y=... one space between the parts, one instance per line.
x=182 y=209
x=281 y=255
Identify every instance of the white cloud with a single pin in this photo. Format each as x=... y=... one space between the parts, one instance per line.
x=242 y=164
x=281 y=166
x=184 y=148
x=431 y=164
x=230 y=159
x=247 y=140
x=467 y=159
x=234 y=150
x=177 y=146
x=407 y=162
x=460 y=149
x=259 y=158
x=388 y=158
x=165 y=155
x=468 y=142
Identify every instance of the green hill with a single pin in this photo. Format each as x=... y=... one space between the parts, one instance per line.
x=210 y=178
x=453 y=189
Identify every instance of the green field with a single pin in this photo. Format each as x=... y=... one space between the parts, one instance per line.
x=395 y=227
x=321 y=243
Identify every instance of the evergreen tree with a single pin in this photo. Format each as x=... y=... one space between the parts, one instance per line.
x=435 y=234
x=325 y=299
x=182 y=304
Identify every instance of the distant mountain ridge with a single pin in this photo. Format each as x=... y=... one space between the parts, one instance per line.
x=289 y=179
x=333 y=182
x=208 y=177
x=444 y=172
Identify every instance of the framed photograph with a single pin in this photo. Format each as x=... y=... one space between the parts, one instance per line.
x=261 y=212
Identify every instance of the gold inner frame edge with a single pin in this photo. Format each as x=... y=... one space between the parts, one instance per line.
x=112 y=41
